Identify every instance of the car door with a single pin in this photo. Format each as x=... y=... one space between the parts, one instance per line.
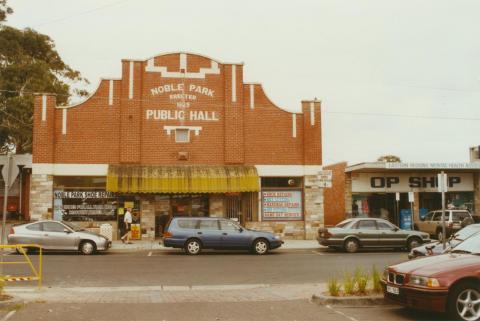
x=233 y=236
x=209 y=233
x=390 y=235
x=57 y=236
x=367 y=232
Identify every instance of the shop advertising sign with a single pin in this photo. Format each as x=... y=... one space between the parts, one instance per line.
x=406 y=182
x=281 y=205
x=84 y=205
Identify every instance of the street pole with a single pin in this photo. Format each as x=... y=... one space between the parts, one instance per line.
x=442 y=175
x=5 y=198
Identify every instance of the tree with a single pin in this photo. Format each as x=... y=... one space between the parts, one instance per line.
x=389 y=159
x=4 y=10
x=29 y=64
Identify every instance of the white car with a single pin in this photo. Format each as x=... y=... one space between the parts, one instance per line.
x=57 y=235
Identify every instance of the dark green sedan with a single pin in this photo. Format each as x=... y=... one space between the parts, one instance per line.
x=356 y=233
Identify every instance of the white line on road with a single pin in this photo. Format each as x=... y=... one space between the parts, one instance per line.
x=341 y=313
x=9 y=315
x=318 y=253
x=149 y=253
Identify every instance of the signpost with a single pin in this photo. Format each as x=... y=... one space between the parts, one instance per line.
x=397 y=207
x=443 y=188
x=411 y=200
x=9 y=174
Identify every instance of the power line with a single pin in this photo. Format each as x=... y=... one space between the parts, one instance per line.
x=80 y=13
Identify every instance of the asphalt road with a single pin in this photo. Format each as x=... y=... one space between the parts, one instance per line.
x=299 y=310
x=174 y=268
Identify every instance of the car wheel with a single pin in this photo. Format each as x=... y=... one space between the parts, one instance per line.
x=439 y=235
x=464 y=302
x=351 y=245
x=193 y=247
x=413 y=242
x=260 y=247
x=87 y=248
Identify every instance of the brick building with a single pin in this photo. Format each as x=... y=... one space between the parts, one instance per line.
x=178 y=134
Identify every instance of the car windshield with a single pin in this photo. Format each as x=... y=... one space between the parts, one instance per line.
x=464 y=233
x=73 y=226
x=470 y=245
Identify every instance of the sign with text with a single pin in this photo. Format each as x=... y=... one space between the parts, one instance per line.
x=282 y=205
x=84 y=205
x=406 y=182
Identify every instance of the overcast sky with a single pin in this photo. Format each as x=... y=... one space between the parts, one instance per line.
x=364 y=59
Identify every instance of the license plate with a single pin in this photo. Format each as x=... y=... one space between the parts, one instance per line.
x=392 y=290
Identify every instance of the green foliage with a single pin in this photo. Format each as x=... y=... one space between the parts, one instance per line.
x=376 y=277
x=29 y=63
x=4 y=10
x=361 y=279
x=348 y=283
x=333 y=287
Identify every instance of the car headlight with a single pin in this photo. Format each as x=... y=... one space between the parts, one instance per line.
x=385 y=275
x=418 y=280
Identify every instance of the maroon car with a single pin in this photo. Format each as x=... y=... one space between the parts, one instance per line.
x=444 y=283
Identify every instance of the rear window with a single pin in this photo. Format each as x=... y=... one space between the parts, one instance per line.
x=34 y=227
x=188 y=224
x=209 y=225
x=459 y=216
x=343 y=223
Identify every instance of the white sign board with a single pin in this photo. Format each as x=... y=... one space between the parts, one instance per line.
x=10 y=172
x=407 y=182
x=442 y=183
x=410 y=197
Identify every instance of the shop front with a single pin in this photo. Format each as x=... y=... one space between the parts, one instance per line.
x=178 y=135
x=402 y=192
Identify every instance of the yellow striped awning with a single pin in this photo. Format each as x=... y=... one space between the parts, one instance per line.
x=182 y=179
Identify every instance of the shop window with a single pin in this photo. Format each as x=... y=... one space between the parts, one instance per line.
x=182 y=135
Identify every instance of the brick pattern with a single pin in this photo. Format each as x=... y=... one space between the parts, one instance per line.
x=335 y=196
x=120 y=133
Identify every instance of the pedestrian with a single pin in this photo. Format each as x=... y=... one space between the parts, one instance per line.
x=127 y=220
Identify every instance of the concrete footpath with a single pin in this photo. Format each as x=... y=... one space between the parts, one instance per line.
x=157 y=245
x=168 y=293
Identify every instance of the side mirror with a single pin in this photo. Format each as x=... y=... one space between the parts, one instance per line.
x=240 y=229
x=394 y=229
x=66 y=230
x=422 y=218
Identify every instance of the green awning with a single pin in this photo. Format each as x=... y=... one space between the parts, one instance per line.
x=182 y=179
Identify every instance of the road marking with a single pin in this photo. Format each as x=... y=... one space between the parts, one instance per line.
x=149 y=253
x=318 y=253
x=9 y=315
x=341 y=313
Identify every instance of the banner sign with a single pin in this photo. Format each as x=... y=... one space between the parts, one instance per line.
x=84 y=205
x=282 y=205
x=409 y=182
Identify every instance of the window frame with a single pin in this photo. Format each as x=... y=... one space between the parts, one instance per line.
x=177 y=130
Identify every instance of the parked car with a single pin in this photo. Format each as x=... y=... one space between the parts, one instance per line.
x=444 y=283
x=436 y=248
x=454 y=221
x=58 y=235
x=356 y=233
x=196 y=233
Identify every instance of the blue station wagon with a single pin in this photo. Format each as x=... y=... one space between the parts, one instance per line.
x=196 y=233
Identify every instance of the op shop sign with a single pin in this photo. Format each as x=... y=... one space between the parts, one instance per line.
x=281 y=205
x=406 y=182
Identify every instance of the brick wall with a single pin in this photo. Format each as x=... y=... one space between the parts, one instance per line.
x=239 y=124
x=335 y=196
